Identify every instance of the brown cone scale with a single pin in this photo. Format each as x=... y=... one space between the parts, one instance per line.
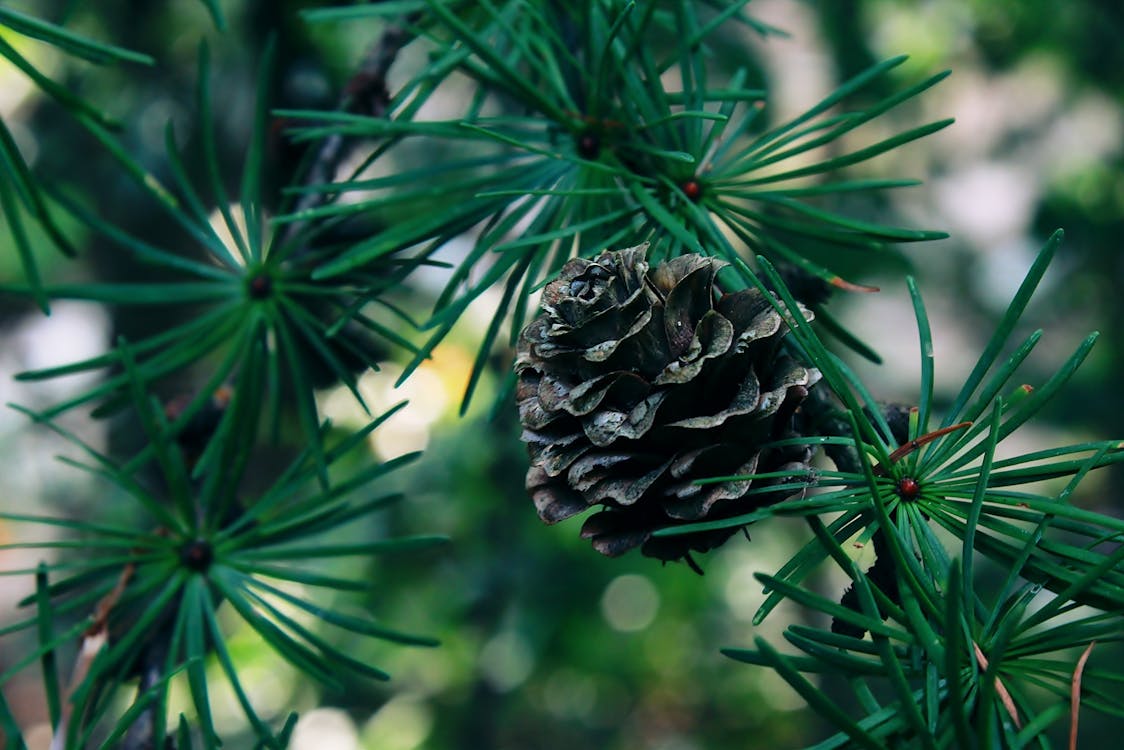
x=633 y=382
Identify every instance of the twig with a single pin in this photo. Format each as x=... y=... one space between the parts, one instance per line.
x=109 y=601
x=141 y=735
x=92 y=644
x=881 y=574
x=1000 y=688
x=366 y=93
x=1075 y=694
x=823 y=414
x=94 y=639
x=909 y=447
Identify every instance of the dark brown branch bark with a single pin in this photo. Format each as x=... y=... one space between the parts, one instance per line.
x=152 y=663
x=366 y=93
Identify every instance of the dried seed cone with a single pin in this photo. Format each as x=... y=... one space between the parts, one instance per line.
x=634 y=382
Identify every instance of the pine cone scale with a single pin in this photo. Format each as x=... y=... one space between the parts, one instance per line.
x=622 y=388
x=606 y=426
x=711 y=339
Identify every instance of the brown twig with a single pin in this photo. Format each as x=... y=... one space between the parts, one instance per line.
x=92 y=644
x=1000 y=688
x=366 y=93
x=94 y=639
x=909 y=447
x=106 y=604
x=1075 y=694
x=142 y=734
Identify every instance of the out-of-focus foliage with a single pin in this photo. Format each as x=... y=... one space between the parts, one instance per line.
x=549 y=646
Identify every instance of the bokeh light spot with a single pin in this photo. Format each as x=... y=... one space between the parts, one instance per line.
x=325 y=729
x=630 y=603
x=402 y=724
x=506 y=661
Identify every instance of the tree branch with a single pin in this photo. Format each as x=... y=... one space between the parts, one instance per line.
x=366 y=93
x=94 y=639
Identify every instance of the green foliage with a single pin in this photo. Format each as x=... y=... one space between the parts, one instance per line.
x=19 y=190
x=260 y=310
x=939 y=646
x=589 y=151
x=205 y=545
x=579 y=127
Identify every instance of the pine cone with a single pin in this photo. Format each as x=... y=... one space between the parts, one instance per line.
x=634 y=382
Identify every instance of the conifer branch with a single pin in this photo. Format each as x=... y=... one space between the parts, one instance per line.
x=613 y=167
x=366 y=93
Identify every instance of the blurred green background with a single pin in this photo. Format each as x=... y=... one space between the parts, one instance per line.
x=546 y=644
